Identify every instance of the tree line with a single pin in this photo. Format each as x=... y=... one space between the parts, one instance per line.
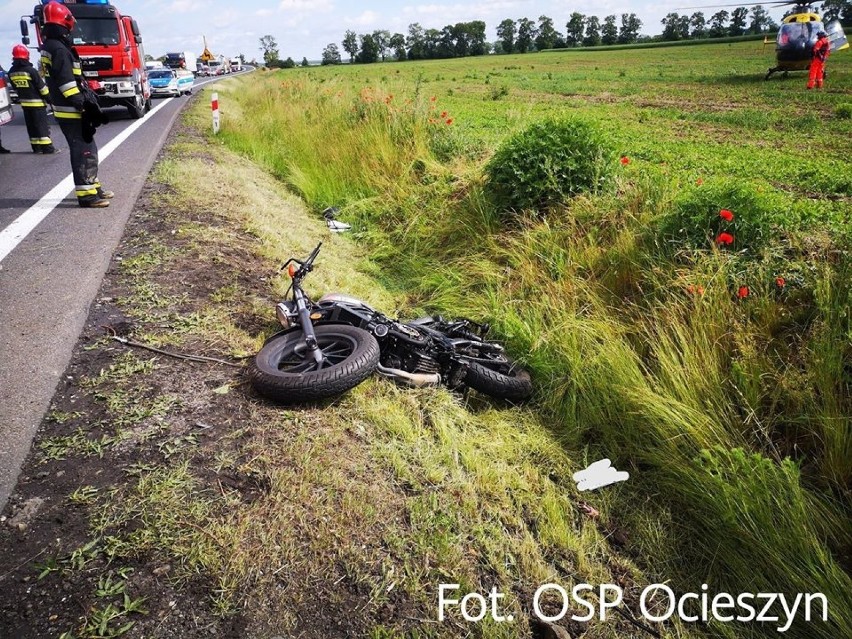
x=525 y=35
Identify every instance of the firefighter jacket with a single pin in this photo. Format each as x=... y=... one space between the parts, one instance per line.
x=821 y=49
x=64 y=76
x=32 y=92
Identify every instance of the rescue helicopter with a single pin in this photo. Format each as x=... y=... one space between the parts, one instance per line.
x=796 y=35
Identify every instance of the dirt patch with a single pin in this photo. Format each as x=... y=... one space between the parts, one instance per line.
x=83 y=552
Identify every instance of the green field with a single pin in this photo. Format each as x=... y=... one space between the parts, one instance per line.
x=733 y=414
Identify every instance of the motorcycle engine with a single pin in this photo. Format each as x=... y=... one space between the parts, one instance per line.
x=406 y=358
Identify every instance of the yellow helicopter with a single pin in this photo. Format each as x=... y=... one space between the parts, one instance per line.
x=797 y=36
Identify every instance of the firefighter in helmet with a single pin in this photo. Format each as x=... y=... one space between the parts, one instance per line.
x=32 y=93
x=64 y=76
x=819 y=54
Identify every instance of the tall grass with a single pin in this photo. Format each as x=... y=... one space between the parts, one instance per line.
x=732 y=414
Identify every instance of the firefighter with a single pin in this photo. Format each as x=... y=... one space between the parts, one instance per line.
x=32 y=93
x=819 y=54
x=64 y=76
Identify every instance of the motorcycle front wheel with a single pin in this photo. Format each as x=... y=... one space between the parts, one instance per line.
x=285 y=370
x=499 y=379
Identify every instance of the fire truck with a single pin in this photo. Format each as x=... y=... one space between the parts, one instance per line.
x=111 y=53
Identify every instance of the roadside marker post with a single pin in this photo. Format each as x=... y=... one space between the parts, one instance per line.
x=214 y=104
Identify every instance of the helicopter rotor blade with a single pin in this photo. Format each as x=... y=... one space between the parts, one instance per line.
x=772 y=3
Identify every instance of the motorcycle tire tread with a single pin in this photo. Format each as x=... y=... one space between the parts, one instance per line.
x=288 y=388
x=515 y=388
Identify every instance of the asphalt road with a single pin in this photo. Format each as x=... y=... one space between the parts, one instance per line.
x=50 y=275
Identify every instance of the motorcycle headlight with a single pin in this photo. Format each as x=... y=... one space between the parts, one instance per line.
x=283 y=314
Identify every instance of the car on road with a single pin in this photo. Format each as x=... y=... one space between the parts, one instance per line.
x=217 y=67
x=5 y=98
x=10 y=90
x=172 y=82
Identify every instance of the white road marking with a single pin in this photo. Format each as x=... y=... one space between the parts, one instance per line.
x=18 y=230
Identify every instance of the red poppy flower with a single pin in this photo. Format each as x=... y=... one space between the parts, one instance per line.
x=743 y=292
x=780 y=282
x=700 y=290
x=449 y=120
x=443 y=114
x=432 y=99
x=699 y=181
x=725 y=238
x=726 y=215
x=690 y=289
x=625 y=160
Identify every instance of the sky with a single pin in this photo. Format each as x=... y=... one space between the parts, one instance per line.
x=302 y=28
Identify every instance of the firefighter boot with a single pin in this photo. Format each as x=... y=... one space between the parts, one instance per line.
x=93 y=203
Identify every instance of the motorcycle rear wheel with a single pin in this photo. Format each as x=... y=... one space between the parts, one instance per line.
x=285 y=371
x=514 y=386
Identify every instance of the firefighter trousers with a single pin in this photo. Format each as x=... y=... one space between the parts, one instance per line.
x=38 y=129
x=84 y=160
x=816 y=72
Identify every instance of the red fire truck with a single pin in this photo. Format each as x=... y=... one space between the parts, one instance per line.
x=110 y=48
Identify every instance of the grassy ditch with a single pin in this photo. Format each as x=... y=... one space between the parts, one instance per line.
x=180 y=504
x=719 y=375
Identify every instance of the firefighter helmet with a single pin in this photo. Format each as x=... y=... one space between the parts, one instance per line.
x=56 y=13
x=20 y=52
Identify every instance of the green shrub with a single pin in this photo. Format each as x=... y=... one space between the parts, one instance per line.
x=548 y=163
x=843 y=112
x=760 y=215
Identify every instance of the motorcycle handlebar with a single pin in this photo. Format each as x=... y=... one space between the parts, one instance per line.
x=305 y=266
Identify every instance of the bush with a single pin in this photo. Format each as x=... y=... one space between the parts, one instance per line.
x=843 y=112
x=759 y=216
x=548 y=163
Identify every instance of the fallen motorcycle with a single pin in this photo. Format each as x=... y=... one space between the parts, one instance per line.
x=332 y=345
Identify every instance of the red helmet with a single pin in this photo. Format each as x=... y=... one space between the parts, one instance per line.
x=20 y=52
x=56 y=13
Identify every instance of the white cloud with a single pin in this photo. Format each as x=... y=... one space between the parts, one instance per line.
x=305 y=5
x=366 y=19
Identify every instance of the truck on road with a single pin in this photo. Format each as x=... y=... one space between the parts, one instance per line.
x=111 y=53
x=181 y=60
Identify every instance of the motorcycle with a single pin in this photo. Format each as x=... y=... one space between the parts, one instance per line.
x=329 y=346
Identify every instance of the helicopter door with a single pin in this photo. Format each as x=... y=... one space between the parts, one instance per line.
x=836 y=36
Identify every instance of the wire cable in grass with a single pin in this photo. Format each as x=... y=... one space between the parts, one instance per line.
x=191 y=358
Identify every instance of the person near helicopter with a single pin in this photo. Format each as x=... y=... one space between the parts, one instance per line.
x=819 y=54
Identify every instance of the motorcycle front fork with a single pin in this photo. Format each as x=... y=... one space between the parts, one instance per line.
x=307 y=326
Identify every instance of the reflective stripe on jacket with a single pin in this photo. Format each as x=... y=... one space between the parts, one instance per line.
x=28 y=83
x=63 y=73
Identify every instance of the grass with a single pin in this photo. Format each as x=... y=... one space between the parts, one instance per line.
x=356 y=510
x=732 y=412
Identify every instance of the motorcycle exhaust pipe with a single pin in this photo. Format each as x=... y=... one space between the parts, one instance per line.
x=412 y=379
